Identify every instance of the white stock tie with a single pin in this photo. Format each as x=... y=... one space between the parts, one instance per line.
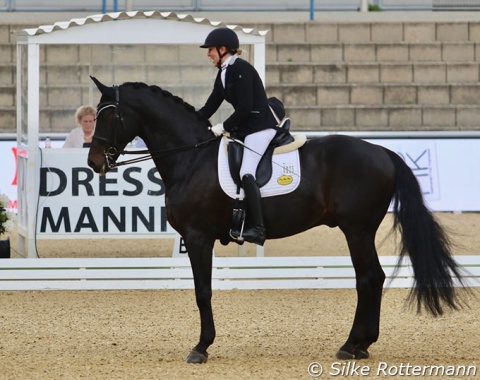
x=224 y=71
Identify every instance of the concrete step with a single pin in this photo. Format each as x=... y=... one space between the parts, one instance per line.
x=152 y=73
x=375 y=31
x=275 y=52
x=52 y=96
x=377 y=94
x=326 y=117
x=291 y=94
x=7 y=96
x=7 y=53
x=384 y=118
x=7 y=74
x=320 y=118
x=8 y=117
x=276 y=73
x=374 y=52
x=103 y=54
x=52 y=119
x=372 y=72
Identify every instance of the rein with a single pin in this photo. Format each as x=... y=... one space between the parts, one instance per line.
x=112 y=150
x=155 y=153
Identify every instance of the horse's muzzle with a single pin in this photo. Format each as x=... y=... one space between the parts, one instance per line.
x=99 y=168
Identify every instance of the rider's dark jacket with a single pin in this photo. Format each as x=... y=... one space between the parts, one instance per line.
x=244 y=90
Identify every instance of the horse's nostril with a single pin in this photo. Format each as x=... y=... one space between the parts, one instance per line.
x=91 y=164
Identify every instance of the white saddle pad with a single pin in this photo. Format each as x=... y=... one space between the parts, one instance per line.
x=285 y=174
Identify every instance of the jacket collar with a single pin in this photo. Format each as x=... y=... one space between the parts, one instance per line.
x=229 y=61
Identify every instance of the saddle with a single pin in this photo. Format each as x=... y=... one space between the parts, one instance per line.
x=281 y=139
x=264 y=169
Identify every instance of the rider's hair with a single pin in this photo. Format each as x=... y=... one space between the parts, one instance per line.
x=236 y=51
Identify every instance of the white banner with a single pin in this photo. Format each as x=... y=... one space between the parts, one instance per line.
x=75 y=200
x=8 y=169
x=447 y=170
x=8 y=172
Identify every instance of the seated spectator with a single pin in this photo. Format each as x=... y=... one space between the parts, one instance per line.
x=81 y=136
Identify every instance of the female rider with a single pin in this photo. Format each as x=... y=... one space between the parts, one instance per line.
x=252 y=121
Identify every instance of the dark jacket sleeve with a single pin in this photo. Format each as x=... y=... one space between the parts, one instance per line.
x=214 y=100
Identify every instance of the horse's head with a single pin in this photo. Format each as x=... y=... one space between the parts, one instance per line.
x=111 y=133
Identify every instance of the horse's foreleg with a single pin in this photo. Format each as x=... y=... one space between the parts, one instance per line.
x=370 y=278
x=201 y=261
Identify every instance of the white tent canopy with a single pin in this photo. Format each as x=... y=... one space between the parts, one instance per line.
x=127 y=28
x=151 y=27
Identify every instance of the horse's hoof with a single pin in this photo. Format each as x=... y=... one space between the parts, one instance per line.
x=344 y=355
x=361 y=354
x=357 y=354
x=195 y=357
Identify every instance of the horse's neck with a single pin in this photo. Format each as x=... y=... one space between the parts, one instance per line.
x=170 y=130
x=174 y=146
x=180 y=168
x=177 y=130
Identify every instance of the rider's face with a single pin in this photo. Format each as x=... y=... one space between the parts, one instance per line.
x=212 y=53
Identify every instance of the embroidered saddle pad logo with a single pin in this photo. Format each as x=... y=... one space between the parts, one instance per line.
x=285 y=174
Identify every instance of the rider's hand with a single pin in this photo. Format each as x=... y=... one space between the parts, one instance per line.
x=217 y=129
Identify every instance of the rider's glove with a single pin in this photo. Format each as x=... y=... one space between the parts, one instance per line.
x=217 y=129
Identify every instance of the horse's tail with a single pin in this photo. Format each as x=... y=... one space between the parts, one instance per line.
x=426 y=243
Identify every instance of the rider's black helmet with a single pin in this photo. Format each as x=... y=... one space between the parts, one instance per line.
x=222 y=37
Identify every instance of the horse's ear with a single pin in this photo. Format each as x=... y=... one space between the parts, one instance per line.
x=105 y=90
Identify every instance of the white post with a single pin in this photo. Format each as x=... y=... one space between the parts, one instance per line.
x=33 y=116
x=364 y=6
x=259 y=59
x=128 y=5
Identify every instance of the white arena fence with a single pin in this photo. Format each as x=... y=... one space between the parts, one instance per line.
x=322 y=272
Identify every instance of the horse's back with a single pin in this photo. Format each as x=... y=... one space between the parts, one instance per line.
x=347 y=146
x=348 y=154
x=353 y=174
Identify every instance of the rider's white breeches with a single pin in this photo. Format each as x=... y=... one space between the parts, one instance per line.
x=255 y=146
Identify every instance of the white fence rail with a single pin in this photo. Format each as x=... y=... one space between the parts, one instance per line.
x=311 y=272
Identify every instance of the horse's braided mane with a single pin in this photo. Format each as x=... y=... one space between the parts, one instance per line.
x=158 y=90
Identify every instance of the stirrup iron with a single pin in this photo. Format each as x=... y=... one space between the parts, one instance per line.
x=236 y=233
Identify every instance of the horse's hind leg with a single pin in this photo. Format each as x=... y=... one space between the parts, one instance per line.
x=370 y=278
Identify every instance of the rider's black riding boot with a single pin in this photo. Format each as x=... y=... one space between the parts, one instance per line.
x=255 y=233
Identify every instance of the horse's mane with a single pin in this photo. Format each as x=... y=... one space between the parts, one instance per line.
x=167 y=94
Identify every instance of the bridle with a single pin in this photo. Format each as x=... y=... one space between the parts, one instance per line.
x=112 y=151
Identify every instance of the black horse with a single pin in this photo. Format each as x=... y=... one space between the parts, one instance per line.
x=346 y=183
